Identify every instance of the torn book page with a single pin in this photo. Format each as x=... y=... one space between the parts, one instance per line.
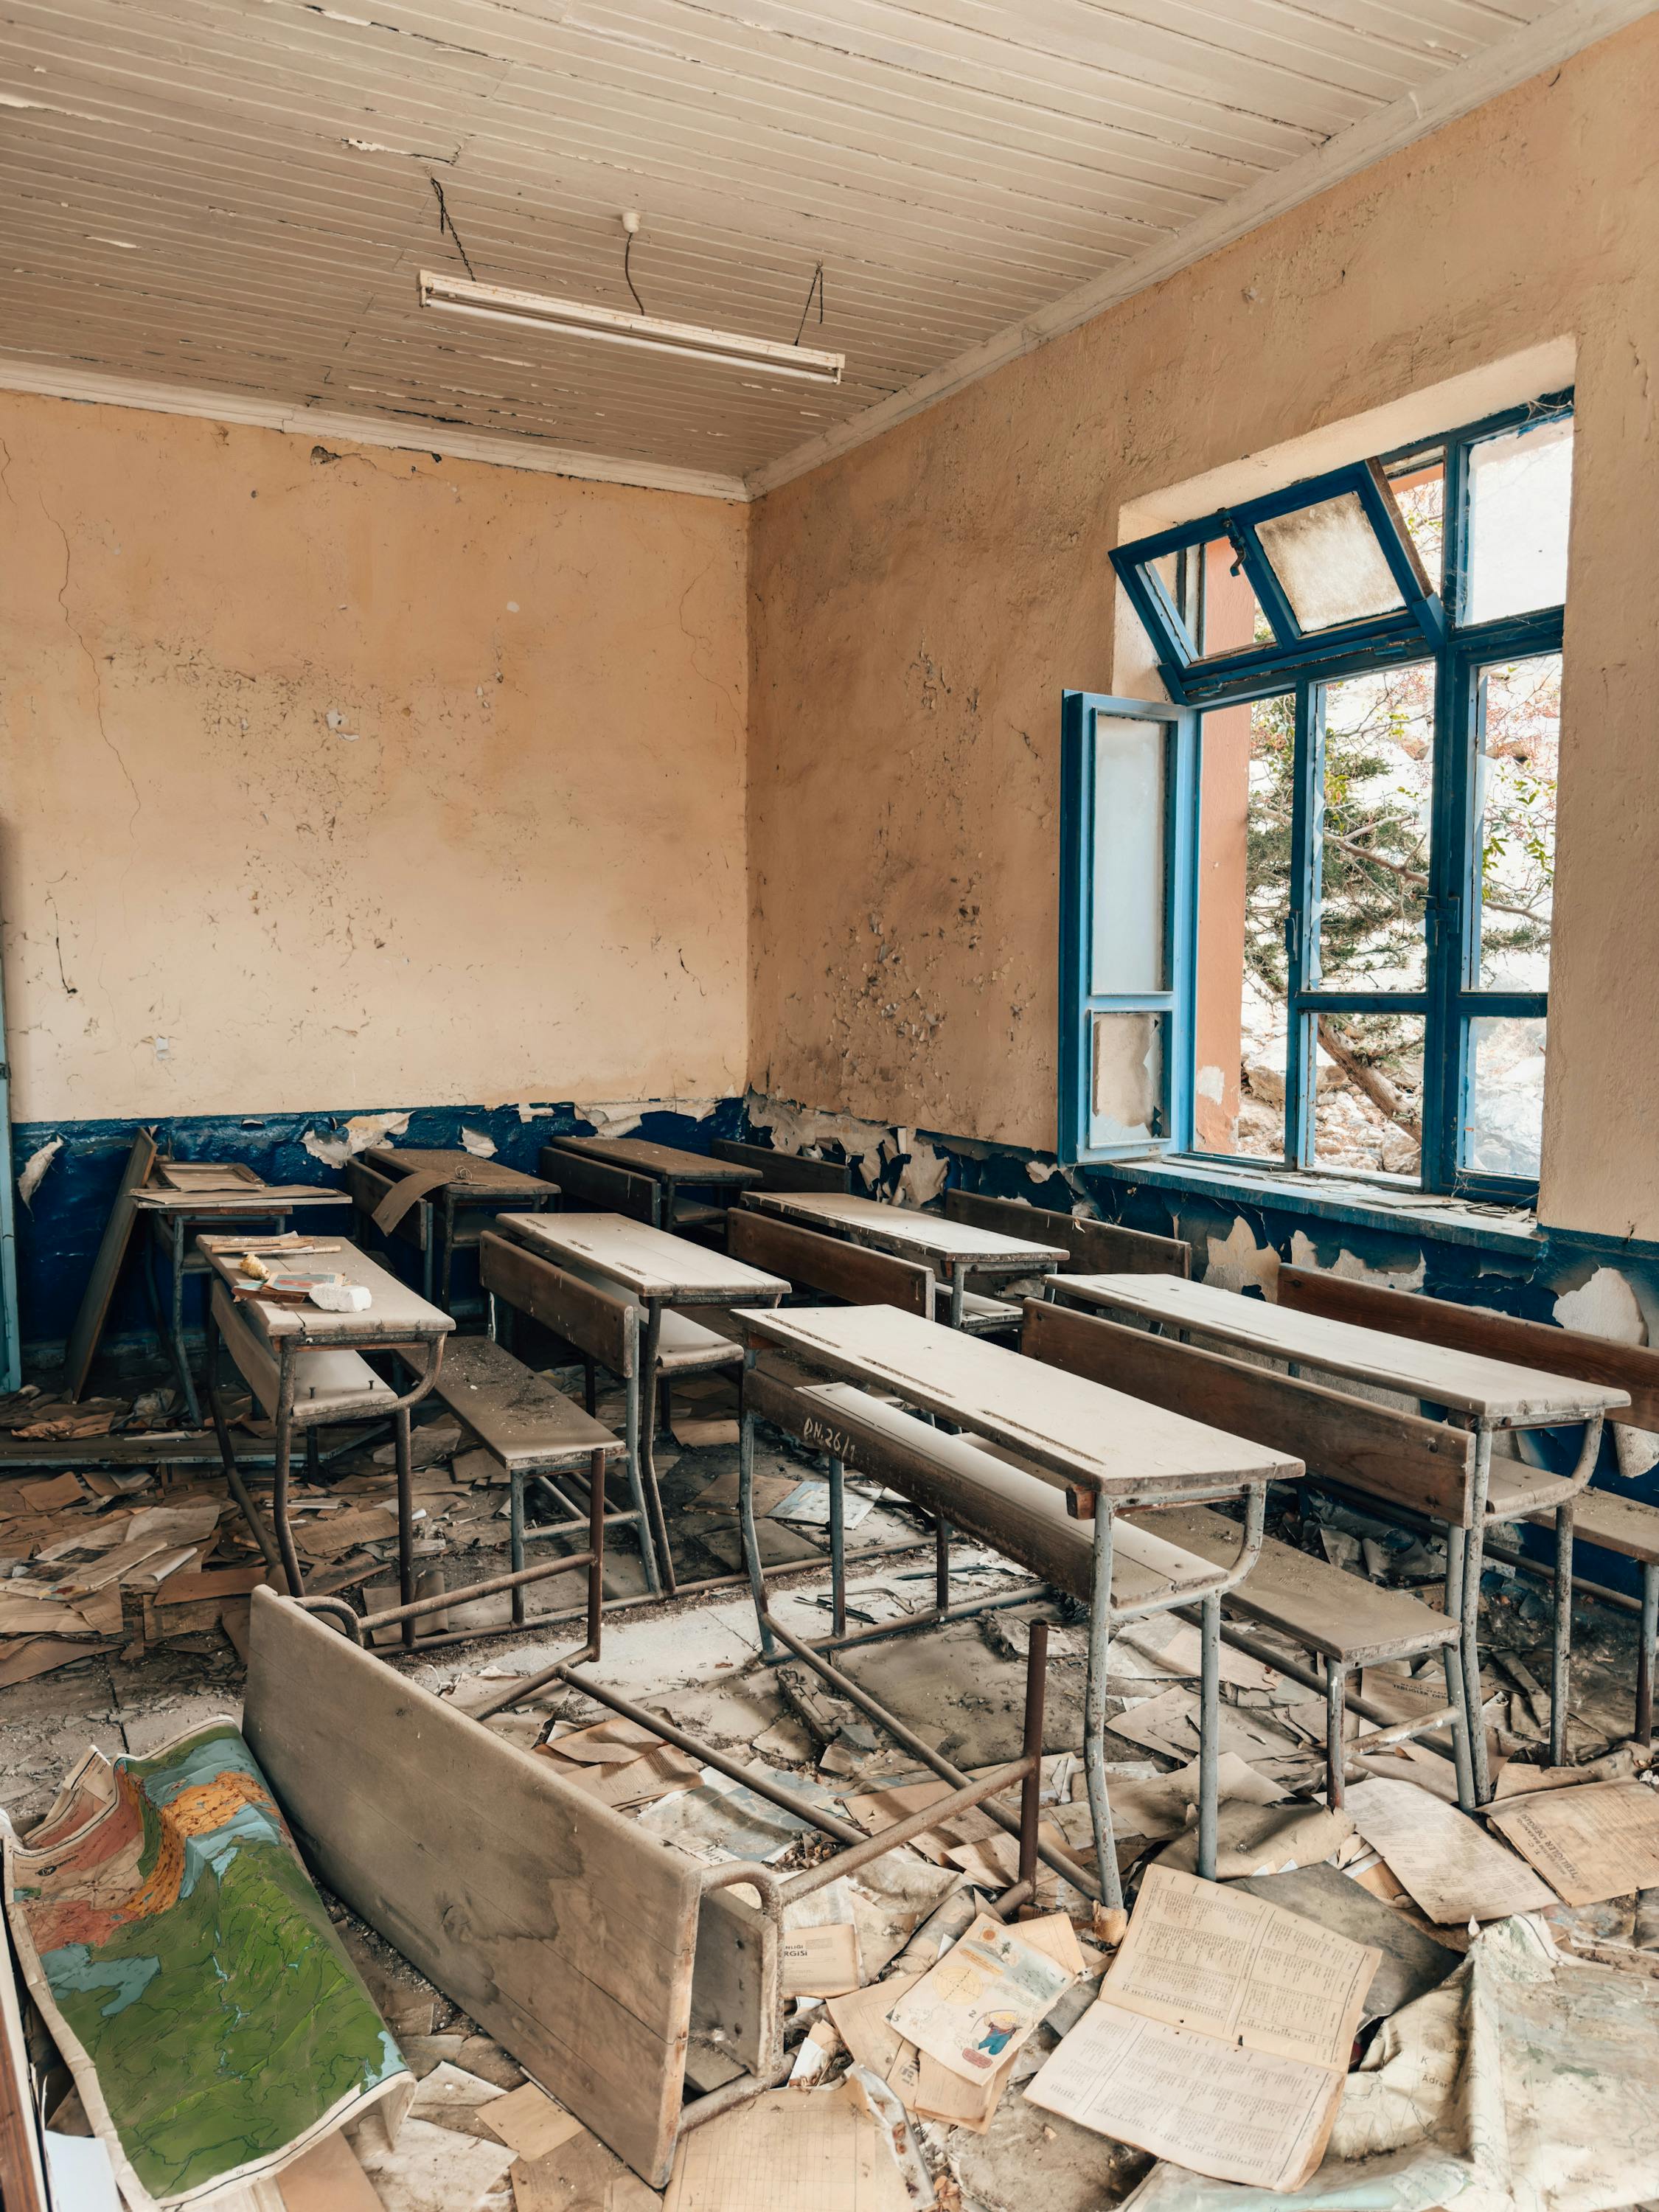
x=981 y=2000
x=1591 y=1844
x=786 y=2152
x=1221 y=2037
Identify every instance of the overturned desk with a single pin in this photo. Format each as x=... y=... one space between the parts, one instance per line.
x=954 y=1249
x=663 y=1272
x=459 y=1193
x=1476 y=1393
x=191 y=1194
x=1034 y=1441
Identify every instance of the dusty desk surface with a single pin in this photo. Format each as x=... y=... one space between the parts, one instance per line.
x=241 y=1198
x=662 y=1161
x=397 y=1315
x=1080 y=1429
x=905 y=1228
x=464 y=1169
x=1498 y=1392
x=653 y=1263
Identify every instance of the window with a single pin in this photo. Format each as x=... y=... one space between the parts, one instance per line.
x=1306 y=901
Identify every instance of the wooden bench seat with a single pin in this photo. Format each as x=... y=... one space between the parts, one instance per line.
x=520 y=1417
x=985 y=1496
x=982 y=1316
x=1341 y=1616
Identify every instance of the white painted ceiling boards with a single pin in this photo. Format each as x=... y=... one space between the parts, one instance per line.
x=221 y=205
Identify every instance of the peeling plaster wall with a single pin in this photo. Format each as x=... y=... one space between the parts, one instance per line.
x=918 y=605
x=360 y=776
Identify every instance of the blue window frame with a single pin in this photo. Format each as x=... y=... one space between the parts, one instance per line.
x=1321 y=584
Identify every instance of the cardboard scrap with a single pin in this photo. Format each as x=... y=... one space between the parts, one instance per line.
x=528 y=2121
x=1449 y=1865
x=40 y=1655
x=1590 y=1845
x=1221 y=2037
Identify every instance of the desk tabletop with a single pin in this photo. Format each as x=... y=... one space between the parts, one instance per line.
x=397 y=1315
x=1085 y=1431
x=1495 y=1391
x=664 y=1162
x=237 y=1199
x=906 y=1230
x=462 y=1169
x=653 y=1263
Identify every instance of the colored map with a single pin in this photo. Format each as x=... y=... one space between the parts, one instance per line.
x=189 y=1969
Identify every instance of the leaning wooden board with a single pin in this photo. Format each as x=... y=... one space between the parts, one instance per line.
x=106 y=1268
x=564 y=1930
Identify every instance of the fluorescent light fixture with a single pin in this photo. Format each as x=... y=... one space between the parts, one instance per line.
x=492 y=303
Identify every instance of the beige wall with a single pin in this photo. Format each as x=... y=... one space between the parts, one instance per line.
x=920 y=604
x=512 y=868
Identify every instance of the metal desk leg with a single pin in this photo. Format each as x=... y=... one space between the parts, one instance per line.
x=1561 y=1658
x=515 y=1523
x=238 y=1488
x=644 y=1527
x=1094 y=1710
x=405 y=1518
x=1031 y=1794
x=942 y=1564
x=958 y=1288
x=837 y=1546
x=1645 y=1655
x=284 y=1454
x=1458 y=1692
x=447 y=1262
x=1209 y=1735
x=192 y=1404
x=1336 y=1714
x=647 y=1423
x=1474 y=1553
x=749 y=1539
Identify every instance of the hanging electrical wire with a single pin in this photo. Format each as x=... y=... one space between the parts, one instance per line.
x=630 y=228
x=446 y=224
x=817 y=285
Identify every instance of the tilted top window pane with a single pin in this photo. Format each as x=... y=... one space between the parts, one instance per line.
x=1520 y=492
x=1329 y=563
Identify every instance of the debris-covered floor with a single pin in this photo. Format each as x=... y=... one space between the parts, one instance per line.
x=124 y=1627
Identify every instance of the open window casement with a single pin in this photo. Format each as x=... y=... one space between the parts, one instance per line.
x=1331 y=570
x=1127 y=817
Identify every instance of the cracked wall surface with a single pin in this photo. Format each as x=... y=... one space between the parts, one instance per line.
x=356 y=774
x=919 y=605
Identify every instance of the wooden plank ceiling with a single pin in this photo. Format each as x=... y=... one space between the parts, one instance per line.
x=233 y=196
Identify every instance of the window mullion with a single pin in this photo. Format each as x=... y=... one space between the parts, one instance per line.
x=1302 y=949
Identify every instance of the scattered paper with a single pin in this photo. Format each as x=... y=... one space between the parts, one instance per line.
x=329 y=2178
x=40 y=1655
x=696 y=1432
x=787 y=2152
x=1591 y=1844
x=861 y=2021
x=580 y=2175
x=430 y=2169
x=1221 y=2037
x=35 y=1166
x=981 y=1999
x=1448 y=1864
x=820 y=1962
x=808 y=1505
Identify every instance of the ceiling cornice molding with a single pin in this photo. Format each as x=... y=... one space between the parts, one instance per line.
x=1565 y=31
x=503 y=451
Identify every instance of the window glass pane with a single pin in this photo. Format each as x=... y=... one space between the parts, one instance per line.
x=1374 y=849
x=1516 y=766
x=1126 y=1093
x=1520 y=489
x=1368 y=1115
x=1245 y=771
x=1419 y=486
x=1329 y=563
x=1505 y=1125
x=1129 y=952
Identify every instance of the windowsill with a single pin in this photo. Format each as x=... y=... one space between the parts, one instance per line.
x=1331 y=1198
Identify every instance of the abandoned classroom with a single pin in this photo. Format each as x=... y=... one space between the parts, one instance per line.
x=829 y=1290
